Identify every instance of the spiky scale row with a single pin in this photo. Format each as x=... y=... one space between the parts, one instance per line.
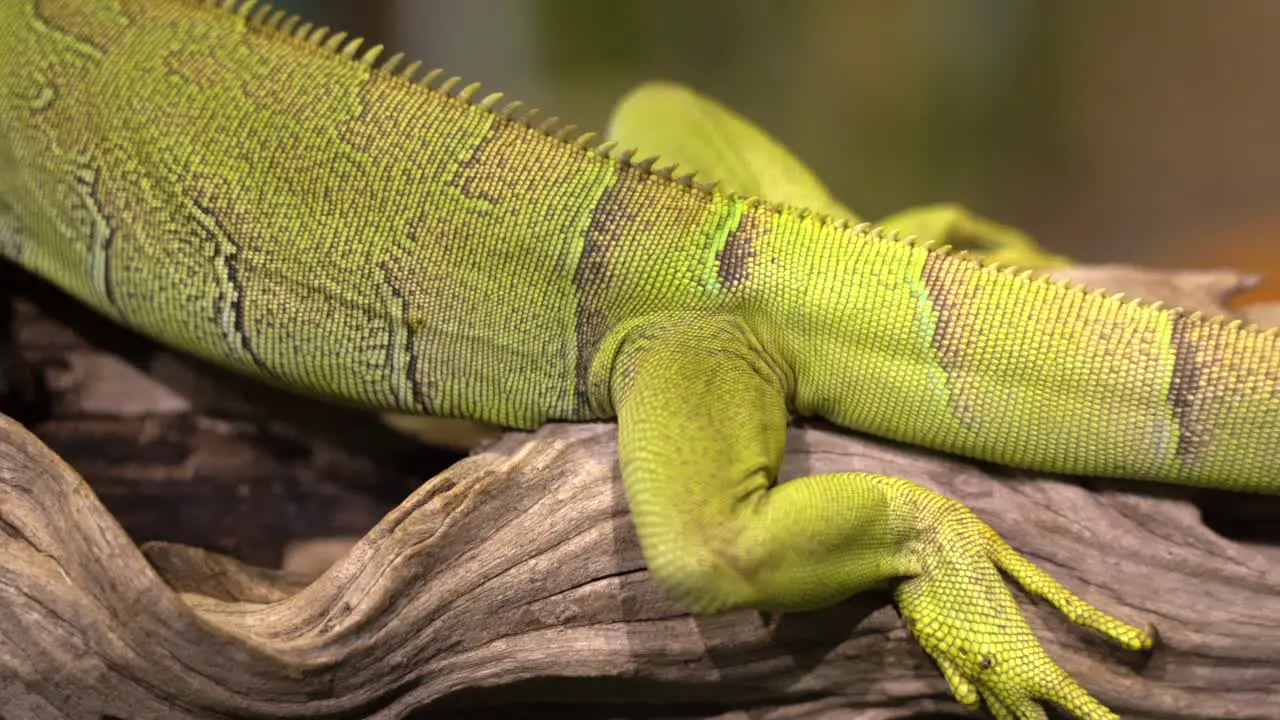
x=264 y=16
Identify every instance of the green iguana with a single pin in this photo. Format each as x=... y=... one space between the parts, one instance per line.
x=267 y=195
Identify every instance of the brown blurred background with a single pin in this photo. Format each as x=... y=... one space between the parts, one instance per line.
x=1142 y=131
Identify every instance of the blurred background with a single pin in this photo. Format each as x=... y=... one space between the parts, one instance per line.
x=1138 y=132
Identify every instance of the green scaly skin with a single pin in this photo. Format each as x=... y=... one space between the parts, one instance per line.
x=265 y=196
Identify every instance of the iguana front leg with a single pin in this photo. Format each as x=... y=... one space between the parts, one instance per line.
x=702 y=420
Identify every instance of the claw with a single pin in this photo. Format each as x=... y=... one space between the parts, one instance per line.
x=1037 y=582
x=962 y=613
x=962 y=689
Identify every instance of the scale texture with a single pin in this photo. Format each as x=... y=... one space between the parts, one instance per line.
x=277 y=199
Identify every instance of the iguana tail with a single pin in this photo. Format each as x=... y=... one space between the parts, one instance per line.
x=945 y=351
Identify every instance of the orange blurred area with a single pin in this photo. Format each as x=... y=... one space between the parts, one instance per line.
x=1253 y=248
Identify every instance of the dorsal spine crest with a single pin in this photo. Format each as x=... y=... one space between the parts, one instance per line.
x=264 y=17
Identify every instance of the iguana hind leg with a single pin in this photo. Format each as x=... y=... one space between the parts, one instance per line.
x=702 y=421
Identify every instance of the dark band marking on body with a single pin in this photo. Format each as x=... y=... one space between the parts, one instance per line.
x=591 y=278
x=477 y=167
x=410 y=342
x=100 y=232
x=734 y=261
x=208 y=222
x=941 y=276
x=1186 y=390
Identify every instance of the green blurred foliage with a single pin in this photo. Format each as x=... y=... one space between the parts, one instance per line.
x=947 y=93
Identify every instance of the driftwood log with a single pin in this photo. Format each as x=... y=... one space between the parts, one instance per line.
x=512 y=582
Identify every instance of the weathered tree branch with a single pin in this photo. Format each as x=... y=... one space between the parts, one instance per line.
x=518 y=566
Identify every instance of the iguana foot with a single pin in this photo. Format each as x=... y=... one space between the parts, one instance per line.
x=962 y=614
x=701 y=432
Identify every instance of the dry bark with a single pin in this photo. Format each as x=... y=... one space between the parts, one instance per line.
x=518 y=568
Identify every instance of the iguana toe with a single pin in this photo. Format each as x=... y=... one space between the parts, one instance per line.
x=962 y=613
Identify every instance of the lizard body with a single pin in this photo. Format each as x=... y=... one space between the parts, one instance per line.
x=268 y=196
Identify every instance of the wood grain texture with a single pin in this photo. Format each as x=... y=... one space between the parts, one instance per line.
x=514 y=577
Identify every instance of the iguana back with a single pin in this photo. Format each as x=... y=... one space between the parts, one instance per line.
x=274 y=201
